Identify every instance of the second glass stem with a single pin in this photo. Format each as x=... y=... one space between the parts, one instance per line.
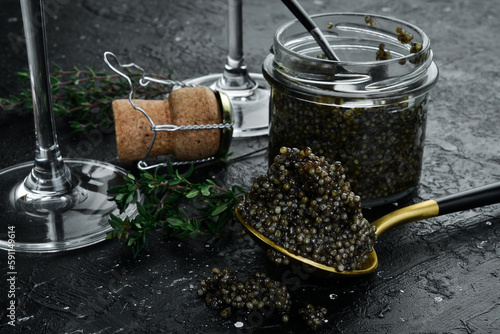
x=235 y=76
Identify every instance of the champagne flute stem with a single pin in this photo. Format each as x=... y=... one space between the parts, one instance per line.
x=49 y=173
x=235 y=30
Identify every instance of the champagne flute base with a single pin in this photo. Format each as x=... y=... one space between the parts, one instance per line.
x=45 y=223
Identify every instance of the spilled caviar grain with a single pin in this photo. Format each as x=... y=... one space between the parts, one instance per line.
x=314 y=316
x=403 y=36
x=370 y=21
x=224 y=291
x=382 y=54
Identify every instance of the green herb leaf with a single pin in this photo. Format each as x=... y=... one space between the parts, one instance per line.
x=85 y=95
x=219 y=209
x=171 y=203
x=205 y=190
x=193 y=193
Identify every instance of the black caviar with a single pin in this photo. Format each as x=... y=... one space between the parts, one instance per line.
x=368 y=114
x=406 y=38
x=403 y=36
x=314 y=316
x=380 y=147
x=370 y=21
x=305 y=204
x=226 y=292
x=382 y=53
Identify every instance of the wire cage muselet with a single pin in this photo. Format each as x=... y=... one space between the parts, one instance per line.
x=193 y=124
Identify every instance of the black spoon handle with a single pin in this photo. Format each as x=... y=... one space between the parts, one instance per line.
x=311 y=27
x=300 y=14
x=486 y=195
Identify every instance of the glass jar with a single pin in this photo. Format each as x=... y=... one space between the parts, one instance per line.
x=367 y=110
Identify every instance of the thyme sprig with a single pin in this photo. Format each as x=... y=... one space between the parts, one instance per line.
x=173 y=204
x=84 y=94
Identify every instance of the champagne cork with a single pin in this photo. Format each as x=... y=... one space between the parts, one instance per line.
x=185 y=106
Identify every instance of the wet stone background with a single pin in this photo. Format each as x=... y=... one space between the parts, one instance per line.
x=437 y=276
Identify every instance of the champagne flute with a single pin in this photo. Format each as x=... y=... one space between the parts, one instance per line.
x=248 y=92
x=52 y=204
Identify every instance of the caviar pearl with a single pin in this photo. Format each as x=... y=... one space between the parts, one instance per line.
x=314 y=316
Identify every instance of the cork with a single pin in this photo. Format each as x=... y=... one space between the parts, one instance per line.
x=185 y=106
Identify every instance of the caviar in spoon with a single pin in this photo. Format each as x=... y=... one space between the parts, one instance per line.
x=303 y=206
x=330 y=248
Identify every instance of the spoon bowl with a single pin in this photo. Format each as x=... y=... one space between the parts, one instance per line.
x=462 y=201
x=369 y=265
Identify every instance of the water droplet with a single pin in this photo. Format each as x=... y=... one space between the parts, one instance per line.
x=333 y=296
x=238 y=324
x=481 y=244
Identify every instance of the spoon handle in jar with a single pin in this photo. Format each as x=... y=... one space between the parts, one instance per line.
x=311 y=27
x=470 y=199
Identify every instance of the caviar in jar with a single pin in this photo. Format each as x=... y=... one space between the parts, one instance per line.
x=368 y=110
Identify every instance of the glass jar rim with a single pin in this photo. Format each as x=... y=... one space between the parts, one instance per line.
x=291 y=65
x=279 y=32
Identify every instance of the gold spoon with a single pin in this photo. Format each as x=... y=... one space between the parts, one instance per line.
x=466 y=200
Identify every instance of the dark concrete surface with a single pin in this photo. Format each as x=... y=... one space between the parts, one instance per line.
x=441 y=275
